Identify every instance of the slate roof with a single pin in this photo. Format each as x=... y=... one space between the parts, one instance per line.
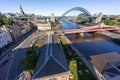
x=51 y=60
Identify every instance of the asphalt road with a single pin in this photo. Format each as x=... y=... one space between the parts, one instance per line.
x=14 y=45
x=20 y=52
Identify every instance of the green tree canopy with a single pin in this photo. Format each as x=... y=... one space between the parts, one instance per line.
x=1 y=20
x=8 y=21
x=1 y=16
x=84 y=20
x=29 y=61
x=58 y=27
x=109 y=22
x=5 y=21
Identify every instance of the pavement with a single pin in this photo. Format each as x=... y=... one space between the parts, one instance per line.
x=19 y=53
x=4 y=68
x=6 y=57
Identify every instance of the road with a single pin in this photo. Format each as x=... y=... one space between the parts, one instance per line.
x=20 y=52
x=6 y=56
x=14 y=45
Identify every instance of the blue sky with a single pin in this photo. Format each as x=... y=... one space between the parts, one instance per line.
x=46 y=7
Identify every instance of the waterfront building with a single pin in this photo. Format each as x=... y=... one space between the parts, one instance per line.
x=95 y=15
x=25 y=26
x=52 y=18
x=44 y=26
x=5 y=38
x=15 y=31
x=108 y=65
x=99 y=18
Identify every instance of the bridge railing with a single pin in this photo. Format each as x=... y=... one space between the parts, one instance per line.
x=90 y=29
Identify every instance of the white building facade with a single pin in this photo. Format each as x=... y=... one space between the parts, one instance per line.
x=99 y=18
x=52 y=18
x=5 y=38
x=44 y=26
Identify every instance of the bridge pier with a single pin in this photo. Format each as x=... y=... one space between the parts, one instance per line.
x=80 y=34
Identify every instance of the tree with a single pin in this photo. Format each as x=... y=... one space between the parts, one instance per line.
x=29 y=61
x=84 y=20
x=1 y=20
x=8 y=21
x=109 y=22
x=58 y=27
x=5 y=21
x=1 y=16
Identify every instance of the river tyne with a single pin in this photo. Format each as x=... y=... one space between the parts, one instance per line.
x=91 y=44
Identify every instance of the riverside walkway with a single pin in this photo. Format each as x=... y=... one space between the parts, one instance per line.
x=110 y=35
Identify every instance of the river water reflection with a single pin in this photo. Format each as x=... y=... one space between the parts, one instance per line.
x=91 y=44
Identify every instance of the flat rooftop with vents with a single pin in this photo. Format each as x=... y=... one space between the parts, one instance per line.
x=107 y=64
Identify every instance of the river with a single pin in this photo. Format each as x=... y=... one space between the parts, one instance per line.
x=90 y=44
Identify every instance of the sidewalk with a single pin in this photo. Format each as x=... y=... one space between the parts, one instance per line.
x=4 y=68
x=6 y=59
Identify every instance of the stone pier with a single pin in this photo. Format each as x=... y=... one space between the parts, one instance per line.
x=80 y=34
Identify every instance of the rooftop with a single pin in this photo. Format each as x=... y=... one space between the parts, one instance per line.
x=115 y=78
x=51 y=60
x=100 y=61
x=12 y=27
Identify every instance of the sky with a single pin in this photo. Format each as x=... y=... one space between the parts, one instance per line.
x=58 y=7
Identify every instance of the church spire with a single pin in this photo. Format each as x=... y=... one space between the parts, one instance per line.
x=21 y=11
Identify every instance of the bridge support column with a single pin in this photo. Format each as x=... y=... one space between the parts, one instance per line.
x=80 y=34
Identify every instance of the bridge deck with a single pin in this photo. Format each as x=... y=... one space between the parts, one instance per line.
x=90 y=29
